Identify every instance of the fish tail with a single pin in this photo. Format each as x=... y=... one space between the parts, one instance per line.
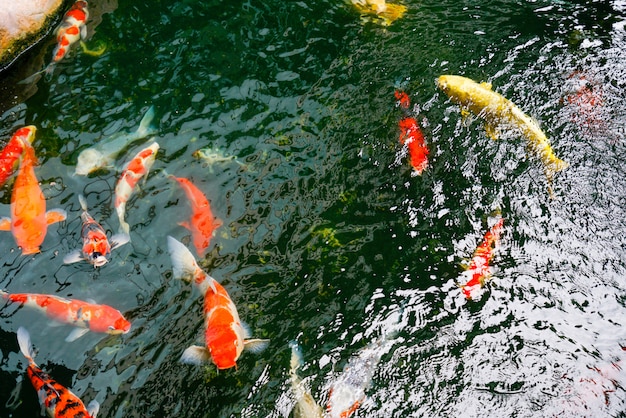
x=144 y=126
x=296 y=357
x=558 y=165
x=184 y=264
x=26 y=347
x=83 y=202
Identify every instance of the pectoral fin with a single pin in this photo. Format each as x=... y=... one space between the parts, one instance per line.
x=491 y=132
x=196 y=355
x=55 y=215
x=255 y=345
x=73 y=257
x=5 y=224
x=93 y=408
x=76 y=334
x=118 y=240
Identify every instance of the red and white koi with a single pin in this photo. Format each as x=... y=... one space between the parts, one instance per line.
x=57 y=400
x=137 y=168
x=71 y=30
x=348 y=392
x=13 y=150
x=96 y=245
x=29 y=220
x=225 y=335
x=479 y=270
x=86 y=316
x=412 y=136
x=202 y=223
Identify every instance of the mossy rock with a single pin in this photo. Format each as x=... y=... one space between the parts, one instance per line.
x=23 y=23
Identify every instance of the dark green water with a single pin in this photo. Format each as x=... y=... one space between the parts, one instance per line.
x=326 y=234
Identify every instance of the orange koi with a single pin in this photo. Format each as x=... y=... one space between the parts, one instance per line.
x=71 y=30
x=137 y=168
x=56 y=399
x=225 y=335
x=479 y=269
x=29 y=220
x=86 y=316
x=202 y=224
x=412 y=136
x=96 y=245
x=12 y=151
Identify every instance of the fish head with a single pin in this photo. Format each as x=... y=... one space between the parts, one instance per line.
x=98 y=260
x=455 y=87
x=120 y=326
x=90 y=160
x=26 y=134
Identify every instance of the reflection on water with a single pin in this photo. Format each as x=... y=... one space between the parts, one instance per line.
x=325 y=233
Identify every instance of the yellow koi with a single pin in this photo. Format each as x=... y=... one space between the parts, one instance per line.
x=499 y=112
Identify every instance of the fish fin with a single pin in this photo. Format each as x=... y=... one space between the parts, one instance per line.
x=185 y=224
x=5 y=224
x=83 y=202
x=217 y=222
x=76 y=334
x=196 y=355
x=73 y=257
x=93 y=408
x=296 y=357
x=212 y=282
x=256 y=345
x=23 y=340
x=118 y=240
x=55 y=215
x=124 y=228
x=486 y=85
x=491 y=132
x=184 y=264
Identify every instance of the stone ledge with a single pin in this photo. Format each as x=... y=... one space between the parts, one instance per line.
x=22 y=24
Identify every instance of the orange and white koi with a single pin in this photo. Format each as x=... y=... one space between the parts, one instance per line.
x=137 y=168
x=29 y=220
x=347 y=393
x=56 y=399
x=86 y=316
x=412 y=136
x=225 y=335
x=13 y=150
x=96 y=245
x=479 y=270
x=71 y=30
x=202 y=224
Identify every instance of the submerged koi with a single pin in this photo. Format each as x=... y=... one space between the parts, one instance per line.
x=479 y=269
x=202 y=224
x=96 y=245
x=13 y=150
x=412 y=136
x=71 y=30
x=499 y=112
x=85 y=316
x=387 y=13
x=29 y=220
x=57 y=400
x=347 y=393
x=305 y=406
x=104 y=153
x=225 y=335
x=137 y=168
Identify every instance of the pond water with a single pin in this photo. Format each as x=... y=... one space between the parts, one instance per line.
x=328 y=239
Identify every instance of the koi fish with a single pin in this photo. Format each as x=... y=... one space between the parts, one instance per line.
x=29 y=220
x=71 y=30
x=499 y=112
x=57 y=400
x=202 y=224
x=137 y=168
x=225 y=335
x=305 y=406
x=412 y=136
x=387 y=13
x=96 y=246
x=214 y=156
x=104 y=153
x=86 y=316
x=12 y=151
x=479 y=270
x=347 y=393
